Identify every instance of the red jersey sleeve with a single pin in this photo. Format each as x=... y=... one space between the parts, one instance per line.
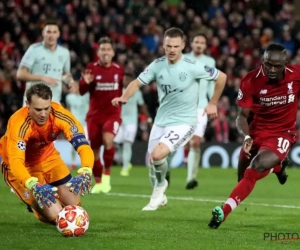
x=83 y=86
x=245 y=94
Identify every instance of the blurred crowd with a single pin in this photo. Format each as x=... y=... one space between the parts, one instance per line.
x=237 y=32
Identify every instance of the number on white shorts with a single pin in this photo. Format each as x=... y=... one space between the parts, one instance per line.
x=172 y=137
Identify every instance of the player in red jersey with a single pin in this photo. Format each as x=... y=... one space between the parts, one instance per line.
x=271 y=93
x=103 y=79
x=244 y=161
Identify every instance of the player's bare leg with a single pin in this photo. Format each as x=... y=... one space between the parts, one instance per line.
x=279 y=170
x=243 y=164
x=261 y=165
x=47 y=214
x=169 y=159
x=66 y=197
x=193 y=162
x=108 y=156
x=97 y=172
x=159 y=160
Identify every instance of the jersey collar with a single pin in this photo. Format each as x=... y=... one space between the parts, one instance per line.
x=48 y=48
x=101 y=64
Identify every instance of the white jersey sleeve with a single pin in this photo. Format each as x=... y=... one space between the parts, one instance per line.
x=148 y=75
x=205 y=72
x=28 y=58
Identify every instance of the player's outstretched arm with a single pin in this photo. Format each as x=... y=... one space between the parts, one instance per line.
x=67 y=79
x=219 y=87
x=82 y=183
x=23 y=74
x=211 y=108
x=243 y=129
x=242 y=121
x=87 y=78
x=74 y=132
x=132 y=88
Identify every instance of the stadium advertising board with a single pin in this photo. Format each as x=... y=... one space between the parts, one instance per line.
x=213 y=154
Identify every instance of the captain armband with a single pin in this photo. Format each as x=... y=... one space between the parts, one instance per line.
x=78 y=140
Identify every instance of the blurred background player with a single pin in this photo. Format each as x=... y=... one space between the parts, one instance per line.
x=128 y=129
x=46 y=62
x=78 y=105
x=103 y=80
x=176 y=118
x=30 y=163
x=199 y=45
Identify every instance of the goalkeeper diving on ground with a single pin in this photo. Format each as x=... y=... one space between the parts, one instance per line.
x=30 y=163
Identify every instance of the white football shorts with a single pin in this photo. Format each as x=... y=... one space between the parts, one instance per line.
x=173 y=136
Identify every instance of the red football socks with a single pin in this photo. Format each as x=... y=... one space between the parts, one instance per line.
x=242 y=189
x=108 y=157
x=97 y=170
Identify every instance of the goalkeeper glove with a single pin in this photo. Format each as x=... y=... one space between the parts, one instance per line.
x=42 y=193
x=82 y=182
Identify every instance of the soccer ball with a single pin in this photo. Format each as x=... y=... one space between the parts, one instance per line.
x=72 y=221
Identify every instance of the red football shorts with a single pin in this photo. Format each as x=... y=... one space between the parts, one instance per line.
x=97 y=129
x=278 y=144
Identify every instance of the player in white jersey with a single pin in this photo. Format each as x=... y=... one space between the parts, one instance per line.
x=78 y=105
x=176 y=118
x=127 y=131
x=46 y=62
x=199 y=45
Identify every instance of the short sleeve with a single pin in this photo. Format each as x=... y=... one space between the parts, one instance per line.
x=148 y=75
x=28 y=58
x=244 y=97
x=140 y=99
x=67 y=65
x=202 y=71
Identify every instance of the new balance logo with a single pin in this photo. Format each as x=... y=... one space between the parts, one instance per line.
x=161 y=77
x=263 y=91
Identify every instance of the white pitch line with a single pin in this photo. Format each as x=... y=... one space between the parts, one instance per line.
x=202 y=200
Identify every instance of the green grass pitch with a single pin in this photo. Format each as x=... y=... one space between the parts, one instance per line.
x=117 y=221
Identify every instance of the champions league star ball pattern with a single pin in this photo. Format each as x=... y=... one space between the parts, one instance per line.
x=72 y=221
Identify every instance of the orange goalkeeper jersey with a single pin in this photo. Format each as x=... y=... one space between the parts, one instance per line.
x=26 y=144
